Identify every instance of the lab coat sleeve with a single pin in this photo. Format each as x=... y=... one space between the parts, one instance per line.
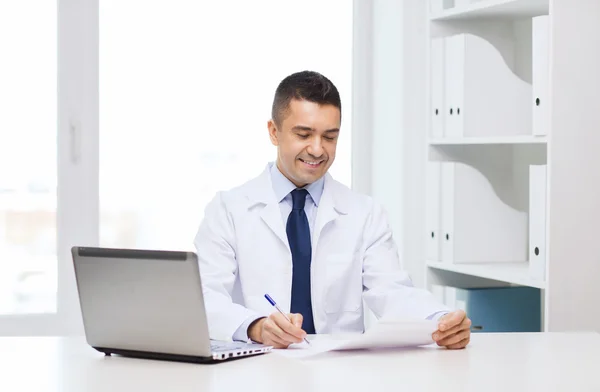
x=241 y=334
x=387 y=289
x=215 y=247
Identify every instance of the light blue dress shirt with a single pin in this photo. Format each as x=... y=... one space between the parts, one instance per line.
x=283 y=188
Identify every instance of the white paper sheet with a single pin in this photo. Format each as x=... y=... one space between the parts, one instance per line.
x=303 y=350
x=385 y=334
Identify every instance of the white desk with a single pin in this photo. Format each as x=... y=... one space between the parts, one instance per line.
x=493 y=362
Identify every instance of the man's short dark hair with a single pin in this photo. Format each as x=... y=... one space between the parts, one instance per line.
x=305 y=85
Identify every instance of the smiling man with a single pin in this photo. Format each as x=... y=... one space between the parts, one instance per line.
x=315 y=246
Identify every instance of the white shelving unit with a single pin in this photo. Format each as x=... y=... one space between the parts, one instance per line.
x=537 y=157
x=446 y=141
x=493 y=274
x=494 y=9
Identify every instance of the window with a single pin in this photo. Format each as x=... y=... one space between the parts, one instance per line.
x=185 y=94
x=160 y=104
x=28 y=169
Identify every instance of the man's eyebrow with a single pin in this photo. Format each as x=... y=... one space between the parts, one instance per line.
x=302 y=128
x=309 y=129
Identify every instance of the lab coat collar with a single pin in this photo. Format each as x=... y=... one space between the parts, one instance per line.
x=282 y=186
x=260 y=191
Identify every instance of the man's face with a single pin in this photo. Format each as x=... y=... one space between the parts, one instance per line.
x=306 y=141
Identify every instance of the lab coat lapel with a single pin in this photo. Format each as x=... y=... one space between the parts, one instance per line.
x=260 y=192
x=330 y=208
x=271 y=215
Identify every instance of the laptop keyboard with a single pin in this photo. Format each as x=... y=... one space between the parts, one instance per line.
x=228 y=346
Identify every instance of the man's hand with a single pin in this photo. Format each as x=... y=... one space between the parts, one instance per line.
x=276 y=331
x=454 y=330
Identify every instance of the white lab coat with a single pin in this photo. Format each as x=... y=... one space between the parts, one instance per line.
x=243 y=253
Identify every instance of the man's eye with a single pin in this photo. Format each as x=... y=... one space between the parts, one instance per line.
x=301 y=136
x=330 y=138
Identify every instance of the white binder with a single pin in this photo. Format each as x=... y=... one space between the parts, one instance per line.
x=433 y=211
x=447 y=213
x=537 y=222
x=541 y=74
x=477 y=226
x=483 y=96
x=453 y=84
x=437 y=87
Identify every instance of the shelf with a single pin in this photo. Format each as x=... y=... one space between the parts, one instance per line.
x=449 y=141
x=495 y=9
x=514 y=273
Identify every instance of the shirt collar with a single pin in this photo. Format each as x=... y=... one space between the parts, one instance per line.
x=282 y=186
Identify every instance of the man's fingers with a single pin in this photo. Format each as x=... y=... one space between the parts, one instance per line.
x=451 y=319
x=272 y=340
x=288 y=327
x=272 y=327
x=297 y=319
x=453 y=339
x=462 y=344
x=439 y=335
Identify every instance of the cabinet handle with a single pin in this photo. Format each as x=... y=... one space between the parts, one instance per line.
x=75 y=140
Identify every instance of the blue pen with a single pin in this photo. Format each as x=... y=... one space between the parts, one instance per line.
x=272 y=302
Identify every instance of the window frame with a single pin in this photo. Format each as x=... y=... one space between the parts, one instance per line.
x=77 y=165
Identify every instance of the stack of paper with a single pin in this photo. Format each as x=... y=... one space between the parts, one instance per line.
x=384 y=334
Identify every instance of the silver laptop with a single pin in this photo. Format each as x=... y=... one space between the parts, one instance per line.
x=148 y=304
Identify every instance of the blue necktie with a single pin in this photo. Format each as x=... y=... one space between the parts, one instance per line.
x=298 y=233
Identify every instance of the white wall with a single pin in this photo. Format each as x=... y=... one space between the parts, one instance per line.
x=574 y=249
x=389 y=164
x=414 y=147
x=387 y=85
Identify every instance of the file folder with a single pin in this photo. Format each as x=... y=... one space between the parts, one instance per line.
x=540 y=74
x=433 y=211
x=437 y=87
x=447 y=213
x=537 y=222
x=504 y=309
x=454 y=83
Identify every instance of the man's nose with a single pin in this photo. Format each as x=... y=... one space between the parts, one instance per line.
x=315 y=148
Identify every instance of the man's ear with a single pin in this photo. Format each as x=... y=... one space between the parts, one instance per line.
x=273 y=132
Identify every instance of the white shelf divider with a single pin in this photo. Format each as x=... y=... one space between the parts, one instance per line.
x=483 y=97
x=476 y=223
x=494 y=9
x=513 y=273
x=525 y=139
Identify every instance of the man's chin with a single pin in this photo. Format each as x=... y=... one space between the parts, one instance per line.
x=304 y=175
x=309 y=179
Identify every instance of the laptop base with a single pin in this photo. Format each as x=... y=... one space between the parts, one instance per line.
x=165 y=357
